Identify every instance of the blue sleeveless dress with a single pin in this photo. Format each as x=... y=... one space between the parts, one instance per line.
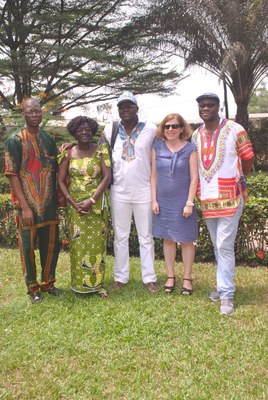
x=173 y=181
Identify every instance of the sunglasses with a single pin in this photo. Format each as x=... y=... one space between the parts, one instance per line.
x=126 y=106
x=172 y=126
x=207 y=105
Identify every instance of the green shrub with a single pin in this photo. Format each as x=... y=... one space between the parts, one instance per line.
x=258 y=133
x=251 y=243
x=204 y=248
x=8 y=231
x=258 y=185
x=4 y=184
x=252 y=239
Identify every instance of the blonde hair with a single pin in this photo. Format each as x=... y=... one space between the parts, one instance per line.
x=185 y=134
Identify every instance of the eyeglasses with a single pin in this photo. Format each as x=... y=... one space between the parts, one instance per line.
x=207 y=105
x=37 y=112
x=82 y=130
x=173 y=126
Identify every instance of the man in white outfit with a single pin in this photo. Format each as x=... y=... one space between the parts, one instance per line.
x=130 y=191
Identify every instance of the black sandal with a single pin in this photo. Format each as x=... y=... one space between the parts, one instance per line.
x=170 y=289
x=184 y=290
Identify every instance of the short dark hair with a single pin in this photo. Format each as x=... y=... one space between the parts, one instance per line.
x=74 y=124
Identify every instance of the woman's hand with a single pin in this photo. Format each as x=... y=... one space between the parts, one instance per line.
x=66 y=146
x=83 y=212
x=84 y=206
x=75 y=205
x=155 y=207
x=187 y=211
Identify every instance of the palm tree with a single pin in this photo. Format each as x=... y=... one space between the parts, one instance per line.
x=228 y=38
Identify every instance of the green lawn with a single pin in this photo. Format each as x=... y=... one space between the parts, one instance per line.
x=133 y=346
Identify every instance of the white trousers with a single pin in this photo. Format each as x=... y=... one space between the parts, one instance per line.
x=223 y=233
x=121 y=217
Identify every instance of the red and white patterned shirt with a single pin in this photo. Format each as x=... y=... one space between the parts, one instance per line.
x=221 y=181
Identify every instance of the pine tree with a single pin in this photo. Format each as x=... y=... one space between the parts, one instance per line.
x=73 y=53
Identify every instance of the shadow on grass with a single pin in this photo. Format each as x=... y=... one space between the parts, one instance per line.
x=134 y=290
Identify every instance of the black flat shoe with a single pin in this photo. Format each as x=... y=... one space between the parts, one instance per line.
x=170 y=289
x=55 y=291
x=184 y=290
x=35 y=297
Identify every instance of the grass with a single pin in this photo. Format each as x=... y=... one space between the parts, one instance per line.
x=134 y=345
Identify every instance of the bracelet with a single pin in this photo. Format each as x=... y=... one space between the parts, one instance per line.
x=67 y=197
x=93 y=201
x=189 y=203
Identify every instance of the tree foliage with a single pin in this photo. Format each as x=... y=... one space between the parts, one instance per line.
x=230 y=39
x=259 y=100
x=75 y=51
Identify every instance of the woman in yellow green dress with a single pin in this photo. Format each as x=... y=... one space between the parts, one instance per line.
x=89 y=168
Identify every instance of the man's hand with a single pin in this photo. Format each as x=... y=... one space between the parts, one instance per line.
x=27 y=217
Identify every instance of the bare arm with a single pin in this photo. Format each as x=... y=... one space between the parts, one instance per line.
x=188 y=210
x=105 y=182
x=247 y=165
x=62 y=173
x=27 y=214
x=66 y=146
x=155 y=205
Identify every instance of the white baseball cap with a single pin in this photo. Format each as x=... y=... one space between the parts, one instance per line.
x=127 y=96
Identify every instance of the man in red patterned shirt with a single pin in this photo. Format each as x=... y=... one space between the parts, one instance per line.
x=225 y=158
x=30 y=165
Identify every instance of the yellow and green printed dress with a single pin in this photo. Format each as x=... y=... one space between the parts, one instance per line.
x=87 y=233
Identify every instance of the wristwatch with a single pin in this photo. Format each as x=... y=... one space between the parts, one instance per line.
x=189 y=203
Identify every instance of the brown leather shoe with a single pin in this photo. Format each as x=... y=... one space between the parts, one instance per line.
x=152 y=287
x=118 y=285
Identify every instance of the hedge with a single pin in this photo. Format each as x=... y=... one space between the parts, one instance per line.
x=251 y=243
x=258 y=133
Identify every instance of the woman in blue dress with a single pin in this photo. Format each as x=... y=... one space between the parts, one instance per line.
x=174 y=183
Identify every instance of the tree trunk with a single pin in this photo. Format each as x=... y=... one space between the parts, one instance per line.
x=242 y=114
x=225 y=99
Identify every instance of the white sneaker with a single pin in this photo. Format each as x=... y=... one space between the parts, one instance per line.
x=214 y=296
x=227 y=307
